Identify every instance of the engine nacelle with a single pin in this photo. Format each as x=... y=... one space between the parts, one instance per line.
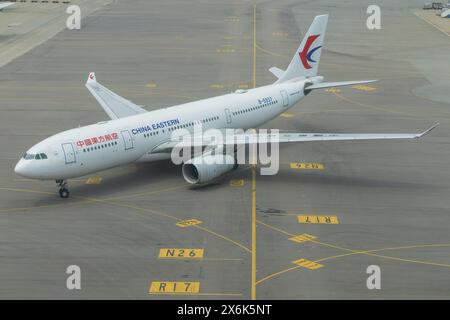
x=207 y=167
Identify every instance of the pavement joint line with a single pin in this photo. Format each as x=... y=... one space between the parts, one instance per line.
x=152 y=93
x=356 y=252
x=406 y=73
x=83 y=200
x=148 y=192
x=337 y=94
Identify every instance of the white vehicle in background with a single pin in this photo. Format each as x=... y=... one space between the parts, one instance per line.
x=135 y=135
x=4 y=5
x=445 y=13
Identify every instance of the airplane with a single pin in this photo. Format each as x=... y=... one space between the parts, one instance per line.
x=134 y=135
x=5 y=5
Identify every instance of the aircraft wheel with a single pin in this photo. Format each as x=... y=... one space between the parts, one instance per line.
x=64 y=193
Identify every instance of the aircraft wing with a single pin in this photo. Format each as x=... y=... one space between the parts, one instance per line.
x=5 y=4
x=114 y=105
x=249 y=138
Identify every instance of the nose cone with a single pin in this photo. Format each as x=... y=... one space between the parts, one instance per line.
x=21 y=168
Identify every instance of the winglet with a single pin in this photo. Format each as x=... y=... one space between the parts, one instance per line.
x=420 y=135
x=91 y=78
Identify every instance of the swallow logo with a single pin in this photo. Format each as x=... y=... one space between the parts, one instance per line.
x=306 y=53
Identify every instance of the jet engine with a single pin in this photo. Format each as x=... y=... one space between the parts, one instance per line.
x=207 y=167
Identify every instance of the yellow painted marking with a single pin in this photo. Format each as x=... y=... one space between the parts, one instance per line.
x=333 y=90
x=286 y=115
x=151 y=85
x=317 y=219
x=308 y=264
x=169 y=287
x=243 y=86
x=217 y=86
x=232 y=19
x=364 y=88
x=180 y=253
x=188 y=223
x=237 y=182
x=94 y=180
x=302 y=238
x=280 y=34
x=307 y=166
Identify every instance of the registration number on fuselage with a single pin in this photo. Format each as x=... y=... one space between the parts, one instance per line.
x=265 y=100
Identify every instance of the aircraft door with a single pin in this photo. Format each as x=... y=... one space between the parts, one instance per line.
x=69 y=153
x=127 y=139
x=228 y=115
x=285 y=97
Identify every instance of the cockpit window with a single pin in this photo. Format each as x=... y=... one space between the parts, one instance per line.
x=38 y=156
x=28 y=156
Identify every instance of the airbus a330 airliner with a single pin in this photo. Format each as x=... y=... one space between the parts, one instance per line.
x=135 y=135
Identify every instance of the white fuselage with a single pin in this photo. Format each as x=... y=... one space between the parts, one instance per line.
x=107 y=144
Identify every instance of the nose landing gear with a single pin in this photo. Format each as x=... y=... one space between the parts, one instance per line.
x=63 y=190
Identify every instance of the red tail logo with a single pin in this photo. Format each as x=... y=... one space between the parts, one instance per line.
x=306 y=53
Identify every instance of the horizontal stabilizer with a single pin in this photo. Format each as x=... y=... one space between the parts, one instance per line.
x=324 y=85
x=277 y=72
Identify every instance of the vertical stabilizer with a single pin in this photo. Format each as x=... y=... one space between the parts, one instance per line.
x=305 y=62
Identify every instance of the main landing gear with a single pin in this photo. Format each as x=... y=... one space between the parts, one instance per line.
x=63 y=190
